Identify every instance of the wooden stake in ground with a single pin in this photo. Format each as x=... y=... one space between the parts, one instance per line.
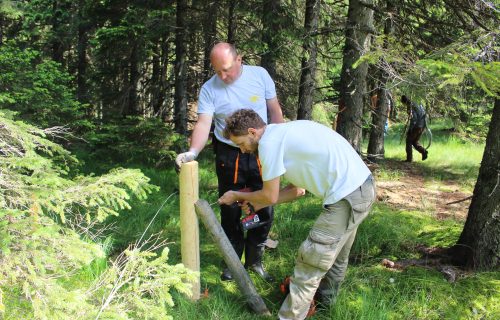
x=190 y=243
x=207 y=216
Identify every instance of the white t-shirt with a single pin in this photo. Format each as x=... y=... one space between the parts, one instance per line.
x=311 y=156
x=249 y=91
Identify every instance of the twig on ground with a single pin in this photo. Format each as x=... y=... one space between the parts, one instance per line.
x=461 y=200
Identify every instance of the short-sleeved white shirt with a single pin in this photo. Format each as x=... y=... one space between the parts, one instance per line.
x=249 y=91
x=311 y=156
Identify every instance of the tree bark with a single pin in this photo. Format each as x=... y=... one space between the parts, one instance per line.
x=210 y=35
x=83 y=41
x=1 y=28
x=479 y=244
x=132 y=103
x=231 y=21
x=353 y=81
x=195 y=45
x=271 y=27
x=381 y=112
x=55 y=41
x=308 y=70
x=180 y=95
x=160 y=85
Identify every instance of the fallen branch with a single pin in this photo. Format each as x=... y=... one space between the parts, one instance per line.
x=461 y=200
x=449 y=272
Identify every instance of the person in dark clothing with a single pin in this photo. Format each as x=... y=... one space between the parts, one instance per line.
x=416 y=127
x=235 y=85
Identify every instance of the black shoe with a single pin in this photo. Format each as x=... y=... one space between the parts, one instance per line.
x=226 y=275
x=424 y=155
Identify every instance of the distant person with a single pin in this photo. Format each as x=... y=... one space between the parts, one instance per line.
x=318 y=159
x=416 y=126
x=232 y=87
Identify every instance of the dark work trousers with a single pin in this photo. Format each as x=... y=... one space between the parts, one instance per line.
x=412 y=138
x=235 y=171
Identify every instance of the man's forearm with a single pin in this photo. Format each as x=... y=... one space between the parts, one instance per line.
x=290 y=193
x=287 y=194
x=274 y=110
x=200 y=133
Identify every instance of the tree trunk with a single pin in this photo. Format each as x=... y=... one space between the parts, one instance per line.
x=353 y=84
x=155 y=87
x=381 y=112
x=1 y=28
x=83 y=41
x=231 y=21
x=55 y=41
x=308 y=70
x=195 y=45
x=132 y=103
x=271 y=28
x=160 y=87
x=180 y=95
x=479 y=244
x=210 y=35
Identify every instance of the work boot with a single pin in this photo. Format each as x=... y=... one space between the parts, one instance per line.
x=424 y=155
x=226 y=275
x=253 y=261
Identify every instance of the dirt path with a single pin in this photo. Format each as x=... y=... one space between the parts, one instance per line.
x=409 y=192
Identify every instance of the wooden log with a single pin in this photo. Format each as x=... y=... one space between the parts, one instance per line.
x=190 y=243
x=207 y=216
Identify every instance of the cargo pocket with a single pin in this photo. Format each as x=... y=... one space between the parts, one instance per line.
x=361 y=202
x=318 y=250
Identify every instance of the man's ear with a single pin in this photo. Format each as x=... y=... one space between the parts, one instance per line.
x=252 y=131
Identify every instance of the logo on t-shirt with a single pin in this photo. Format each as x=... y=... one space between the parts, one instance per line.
x=254 y=99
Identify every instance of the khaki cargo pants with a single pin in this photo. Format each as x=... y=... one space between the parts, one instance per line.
x=323 y=257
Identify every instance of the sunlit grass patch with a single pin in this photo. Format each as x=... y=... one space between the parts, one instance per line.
x=395 y=234
x=384 y=173
x=374 y=292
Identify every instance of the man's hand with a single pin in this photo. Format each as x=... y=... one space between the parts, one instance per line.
x=245 y=206
x=183 y=158
x=228 y=198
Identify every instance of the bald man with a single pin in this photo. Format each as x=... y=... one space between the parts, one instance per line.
x=235 y=86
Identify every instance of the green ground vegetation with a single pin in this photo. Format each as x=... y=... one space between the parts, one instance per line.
x=370 y=290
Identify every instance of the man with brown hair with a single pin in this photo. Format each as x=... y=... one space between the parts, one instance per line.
x=313 y=157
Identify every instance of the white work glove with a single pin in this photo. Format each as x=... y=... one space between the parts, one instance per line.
x=183 y=158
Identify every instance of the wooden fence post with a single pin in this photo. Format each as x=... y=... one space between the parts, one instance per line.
x=190 y=239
